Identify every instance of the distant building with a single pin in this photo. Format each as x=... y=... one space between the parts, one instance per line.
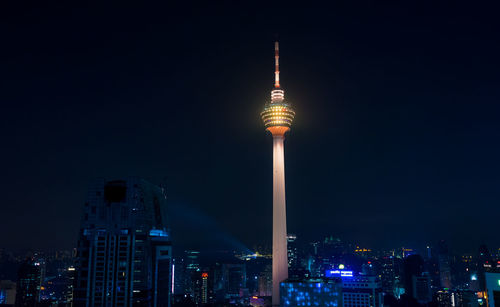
x=266 y=282
x=178 y=275
x=55 y=290
x=362 y=291
x=204 y=288
x=124 y=248
x=464 y=298
x=417 y=282
x=234 y=279
x=451 y=298
x=389 y=271
x=292 y=250
x=444 y=265
x=28 y=283
x=484 y=265
x=191 y=276
x=7 y=292
x=421 y=288
x=442 y=298
x=311 y=292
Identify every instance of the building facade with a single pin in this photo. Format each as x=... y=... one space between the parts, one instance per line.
x=124 y=247
x=362 y=291
x=311 y=292
x=492 y=288
x=28 y=283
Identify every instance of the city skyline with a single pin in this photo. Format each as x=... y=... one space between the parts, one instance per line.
x=395 y=142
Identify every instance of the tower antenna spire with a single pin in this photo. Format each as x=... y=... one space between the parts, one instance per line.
x=277 y=65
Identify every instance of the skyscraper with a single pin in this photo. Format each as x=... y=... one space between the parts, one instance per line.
x=204 y=287
x=278 y=116
x=124 y=250
x=292 y=250
x=444 y=265
x=417 y=281
x=28 y=283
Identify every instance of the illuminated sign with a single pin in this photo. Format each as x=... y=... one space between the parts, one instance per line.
x=338 y=273
x=158 y=233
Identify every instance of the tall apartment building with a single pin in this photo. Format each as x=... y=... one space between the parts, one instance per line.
x=124 y=248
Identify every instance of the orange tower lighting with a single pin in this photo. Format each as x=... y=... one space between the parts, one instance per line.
x=278 y=116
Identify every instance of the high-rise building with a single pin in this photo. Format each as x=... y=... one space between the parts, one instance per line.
x=390 y=273
x=444 y=265
x=178 y=275
x=417 y=282
x=124 y=247
x=204 y=287
x=484 y=265
x=311 y=292
x=421 y=288
x=234 y=277
x=266 y=282
x=278 y=116
x=29 y=281
x=192 y=274
x=292 y=250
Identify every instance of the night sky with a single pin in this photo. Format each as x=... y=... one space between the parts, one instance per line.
x=395 y=139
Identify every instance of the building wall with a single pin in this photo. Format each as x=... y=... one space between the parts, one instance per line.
x=360 y=291
x=493 y=288
x=311 y=292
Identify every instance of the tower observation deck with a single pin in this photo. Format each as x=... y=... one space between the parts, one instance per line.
x=278 y=117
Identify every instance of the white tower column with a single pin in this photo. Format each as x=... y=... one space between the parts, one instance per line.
x=278 y=116
x=280 y=259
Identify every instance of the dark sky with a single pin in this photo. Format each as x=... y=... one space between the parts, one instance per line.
x=395 y=139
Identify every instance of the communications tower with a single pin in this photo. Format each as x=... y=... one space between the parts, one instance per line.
x=278 y=116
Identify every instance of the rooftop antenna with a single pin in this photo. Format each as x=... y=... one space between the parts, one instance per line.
x=277 y=65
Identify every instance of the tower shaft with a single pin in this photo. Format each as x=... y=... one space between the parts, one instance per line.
x=280 y=261
x=277 y=117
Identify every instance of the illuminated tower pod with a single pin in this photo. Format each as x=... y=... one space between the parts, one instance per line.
x=278 y=116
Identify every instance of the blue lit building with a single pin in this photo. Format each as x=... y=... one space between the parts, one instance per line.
x=362 y=291
x=311 y=292
x=492 y=288
x=124 y=247
x=358 y=290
